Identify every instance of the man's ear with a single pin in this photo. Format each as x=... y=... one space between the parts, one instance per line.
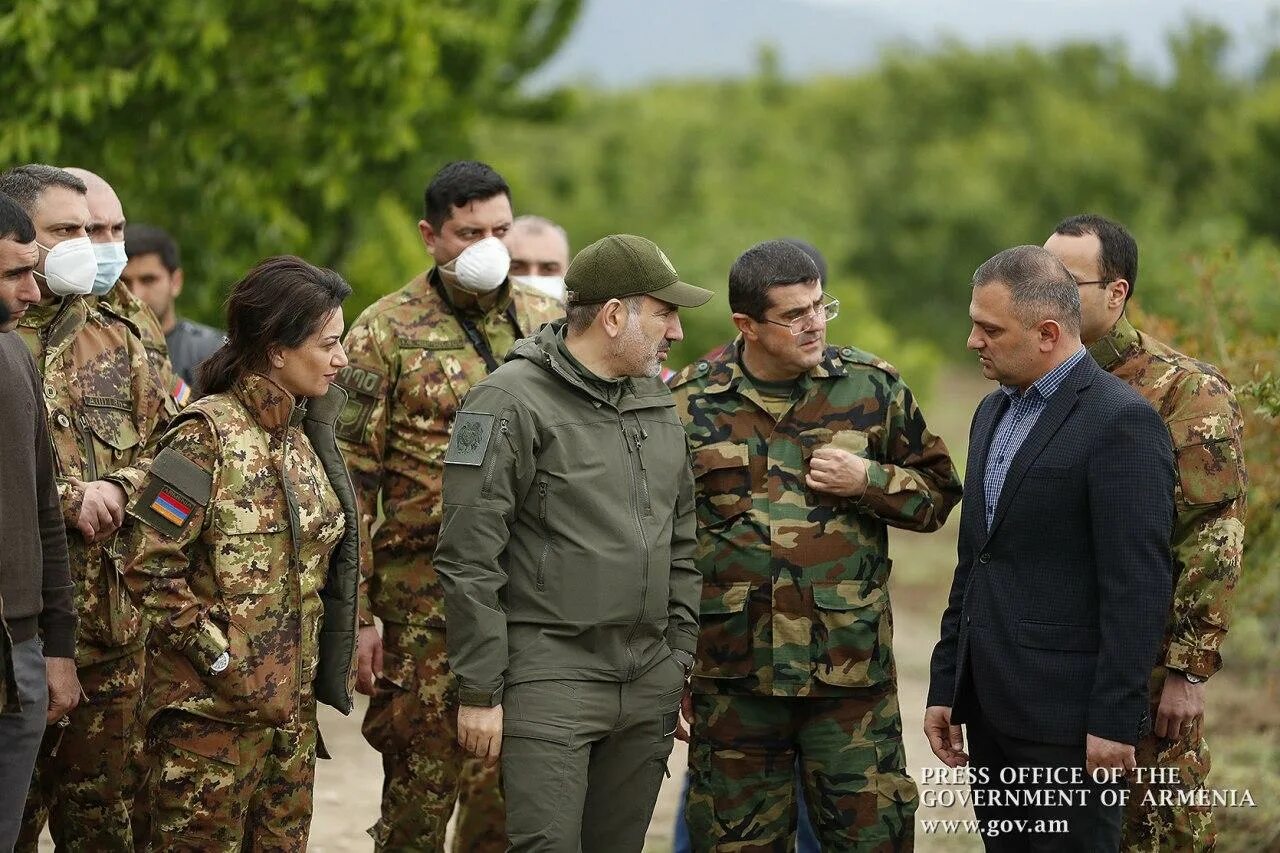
x=428 y=235
x=746 y=326
x=175 y=283
x=1117 y=293
x=1050 y=332
x=613 y=317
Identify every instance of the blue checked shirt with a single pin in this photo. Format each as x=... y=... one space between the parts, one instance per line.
x=1016 y=424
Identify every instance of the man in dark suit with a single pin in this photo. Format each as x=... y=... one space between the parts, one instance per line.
x=1063 y=575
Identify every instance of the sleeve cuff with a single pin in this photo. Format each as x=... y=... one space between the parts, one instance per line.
x=60 y=641
x=205 y=645
x=479 y=698
x=685 y=641
x=1197 y=661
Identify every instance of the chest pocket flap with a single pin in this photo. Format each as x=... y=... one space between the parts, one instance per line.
x=251 y=545
x=723 y=475
x=111 y=421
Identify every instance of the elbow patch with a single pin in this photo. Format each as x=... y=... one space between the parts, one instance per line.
x=175 y=488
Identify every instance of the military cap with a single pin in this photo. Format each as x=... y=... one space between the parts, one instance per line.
x=622 y=265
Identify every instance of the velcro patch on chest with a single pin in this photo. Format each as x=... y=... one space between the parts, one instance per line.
x=470 y=440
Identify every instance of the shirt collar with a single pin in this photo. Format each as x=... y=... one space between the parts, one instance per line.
x=269 y=404
x=1044 y=387
x=1116 y=345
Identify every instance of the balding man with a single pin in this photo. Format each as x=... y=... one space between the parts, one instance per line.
x=106 y=233
x=539 y=254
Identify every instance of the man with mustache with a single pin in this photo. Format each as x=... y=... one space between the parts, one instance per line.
x=804 y=454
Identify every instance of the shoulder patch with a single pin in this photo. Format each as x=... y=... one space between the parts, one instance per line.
x=175 y=487
x=363 y=387
x=470 y=440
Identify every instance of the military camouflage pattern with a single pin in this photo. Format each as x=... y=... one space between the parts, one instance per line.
x=122 y=301
x=87 y=773
x=1198 y=405
x=741 y=765
x=243 y=572
x=794 y=595
x=218 y=786
x=412 y=721
x=410 y=366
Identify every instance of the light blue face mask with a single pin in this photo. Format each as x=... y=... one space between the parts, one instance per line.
x=111 y=260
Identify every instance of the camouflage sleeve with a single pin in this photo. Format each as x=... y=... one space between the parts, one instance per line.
x=362 y=434
x=1208 y=539
x=916 y=486
x=168 y=517
x=686 y=580
x=488 y=469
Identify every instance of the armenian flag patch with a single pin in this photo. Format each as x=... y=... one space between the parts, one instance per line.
x=181 y=392
x=169 y=506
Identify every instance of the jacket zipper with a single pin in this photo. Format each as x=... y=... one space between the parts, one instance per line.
x=640 y=435
x=90 y=460
x=291 y=501
x=487 y=485
x=546 y=534
x=644 y=543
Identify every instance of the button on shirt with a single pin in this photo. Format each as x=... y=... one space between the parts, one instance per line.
x=1016 y=424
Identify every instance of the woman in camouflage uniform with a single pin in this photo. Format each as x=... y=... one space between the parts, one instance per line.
x=244 y=553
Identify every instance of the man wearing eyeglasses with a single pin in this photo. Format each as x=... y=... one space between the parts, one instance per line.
x=1199 y=408
x=804 y=454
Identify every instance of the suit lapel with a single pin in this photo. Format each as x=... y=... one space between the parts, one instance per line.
x=1061 y=404
x=984 y=428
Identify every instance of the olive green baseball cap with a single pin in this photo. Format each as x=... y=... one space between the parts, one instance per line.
x=622 y=265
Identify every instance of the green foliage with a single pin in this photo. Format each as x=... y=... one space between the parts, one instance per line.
x=255 y=128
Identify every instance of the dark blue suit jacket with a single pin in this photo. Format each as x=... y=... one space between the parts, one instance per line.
x=1055 y=617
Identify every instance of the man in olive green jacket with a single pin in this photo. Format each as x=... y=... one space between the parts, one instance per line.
x=566 y=556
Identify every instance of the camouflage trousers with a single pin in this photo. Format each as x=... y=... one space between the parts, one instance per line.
x=412 y=721
x=743 y=757
x=87 y=773
x=1151 y=825
x=218 y=786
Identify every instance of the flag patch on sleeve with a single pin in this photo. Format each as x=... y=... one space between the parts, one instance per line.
x=181 y=392
x=169 y=506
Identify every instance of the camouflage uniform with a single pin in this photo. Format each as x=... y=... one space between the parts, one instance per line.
x=1199 y=407
x=121 y=301
x=795 y=653
x=104 y=402
x=237 y=526
x=411 y=363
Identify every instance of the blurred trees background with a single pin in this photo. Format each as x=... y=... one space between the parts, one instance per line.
x=311 y=127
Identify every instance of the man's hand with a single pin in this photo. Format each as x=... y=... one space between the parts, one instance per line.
x=480 y=731
x=1181 y=704
x=946 y=740
x=369 y=659
x=684 y=720
x=837 y=472
x=1100 y=752
x=101 y=510
x=64 y=687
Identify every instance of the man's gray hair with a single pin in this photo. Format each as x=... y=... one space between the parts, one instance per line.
x=580 y=315
x=25 y=184
x=1039 y=285
x=537 y=224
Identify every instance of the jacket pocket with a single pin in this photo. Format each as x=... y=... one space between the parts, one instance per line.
x=1208 y=461
x=850 y=440
x=724 y=641
x=852 y=634
x=543 y=488
x=394 y=718
x=110 y=435
x=722 y=472
x=252 y=548
x=1056 y=637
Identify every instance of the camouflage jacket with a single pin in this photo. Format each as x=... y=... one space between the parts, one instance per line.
x=106 y=407
x=1204 y=421
x=794 y=592
x=238 y=530
x=121 y=301
x=411 y=363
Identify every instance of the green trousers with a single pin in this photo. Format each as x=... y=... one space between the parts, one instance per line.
x=582 y=761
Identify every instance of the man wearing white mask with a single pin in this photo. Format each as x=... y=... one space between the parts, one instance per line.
x=106 y=232
x=539 y=254
x=103 y=400
x=413 y=355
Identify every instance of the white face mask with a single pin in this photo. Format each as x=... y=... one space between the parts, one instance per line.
x=551 y=285
x=111 y=261
x=70 y=267
x=481 y=268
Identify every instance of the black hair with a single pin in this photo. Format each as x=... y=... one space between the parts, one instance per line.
x=814 y=255
x=280 y=302
x=1118 y=251
x=460 y=183
x=15 y=225
x=773 y=263
x=149 y=240
x=25 y=184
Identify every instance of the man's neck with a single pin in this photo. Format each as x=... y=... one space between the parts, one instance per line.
x=169 y=321
x=1095 y=335
x=764 y=368
x=589 y=356
x=475 y=303
x=1057 y=357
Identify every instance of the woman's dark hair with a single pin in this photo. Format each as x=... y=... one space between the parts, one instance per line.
x=280 y=302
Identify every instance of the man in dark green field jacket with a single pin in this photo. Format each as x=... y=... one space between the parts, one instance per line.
x=567 y=557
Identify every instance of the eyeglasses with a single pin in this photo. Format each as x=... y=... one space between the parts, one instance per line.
x=829 y=310
x=1100 y=282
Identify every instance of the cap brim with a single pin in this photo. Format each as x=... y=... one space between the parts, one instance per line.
x=682 y=294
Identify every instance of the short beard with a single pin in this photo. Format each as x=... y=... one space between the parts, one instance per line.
x=631 y=351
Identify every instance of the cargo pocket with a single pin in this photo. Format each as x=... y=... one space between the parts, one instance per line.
x=252 y=545
x=897 y=797
x=125 y=619
x=722 y=473
x=852 y=634
x=393 y=718
x=724 y=641
x=1208 y=461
